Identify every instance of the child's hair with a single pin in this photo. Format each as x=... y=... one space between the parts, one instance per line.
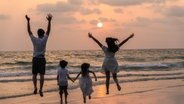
x=84 y=68
x=63 y=63
x=112 y=46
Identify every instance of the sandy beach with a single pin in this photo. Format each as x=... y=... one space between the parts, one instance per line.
x=145 y=92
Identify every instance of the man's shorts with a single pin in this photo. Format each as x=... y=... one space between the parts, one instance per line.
x=38 y=65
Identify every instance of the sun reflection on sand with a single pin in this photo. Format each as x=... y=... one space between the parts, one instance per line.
x=100 y=91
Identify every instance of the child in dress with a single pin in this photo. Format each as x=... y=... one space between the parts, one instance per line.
x=62 y=79
x=85 y=81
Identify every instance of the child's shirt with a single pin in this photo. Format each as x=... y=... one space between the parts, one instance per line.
x=63 y=79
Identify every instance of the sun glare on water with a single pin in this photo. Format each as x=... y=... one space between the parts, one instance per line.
x=100 y=25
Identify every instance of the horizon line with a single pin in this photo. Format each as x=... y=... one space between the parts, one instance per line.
x=92 y=49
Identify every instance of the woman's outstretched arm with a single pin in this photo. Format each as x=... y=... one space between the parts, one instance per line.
x=91 y=36
x=124 y=41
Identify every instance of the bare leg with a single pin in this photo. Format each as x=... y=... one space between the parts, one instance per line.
x=35 y=83
x=84 y=98
x=41 y=84
x=116 y=81
x=107 y=81
x=61 y=97
x=89 y=96
x=66 y=94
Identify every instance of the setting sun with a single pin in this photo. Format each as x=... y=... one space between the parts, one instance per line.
x=100 y=25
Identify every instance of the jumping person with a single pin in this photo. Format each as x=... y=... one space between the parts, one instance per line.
x=62 y=80
x=39 y=45
x=85 y=81
x=110 y=64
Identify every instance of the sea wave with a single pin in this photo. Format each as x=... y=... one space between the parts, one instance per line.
x=50 y=77
x=51 y=68
x=153 y=65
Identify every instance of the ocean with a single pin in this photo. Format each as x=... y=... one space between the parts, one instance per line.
x=134 y=66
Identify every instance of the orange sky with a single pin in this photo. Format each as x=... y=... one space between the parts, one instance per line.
x=156 y=23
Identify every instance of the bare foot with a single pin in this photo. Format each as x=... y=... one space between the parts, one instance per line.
x=89 y=96
x=119 y=88
x=41 y=93
x=35 y=91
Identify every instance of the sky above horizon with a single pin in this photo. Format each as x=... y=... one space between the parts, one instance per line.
x=155 y=23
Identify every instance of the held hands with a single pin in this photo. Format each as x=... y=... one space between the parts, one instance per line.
x=27 y=18
x=49 y=17
x=73 y=80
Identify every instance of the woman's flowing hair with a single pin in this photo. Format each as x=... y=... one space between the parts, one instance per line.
x=112 y=44
x=85 y=68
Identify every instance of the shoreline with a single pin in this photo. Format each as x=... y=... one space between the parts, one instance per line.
x=151 y=90
x=99 y=83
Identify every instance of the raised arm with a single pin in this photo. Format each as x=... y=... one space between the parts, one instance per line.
x=28 y=25
x=77 y=76
x=49 y=18
x=94 y=75
x=90 y=36
x=124 y=41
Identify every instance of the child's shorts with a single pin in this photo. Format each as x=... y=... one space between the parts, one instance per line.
x=63 y=89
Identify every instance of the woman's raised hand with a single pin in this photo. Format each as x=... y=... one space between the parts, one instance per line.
x=132 y=35
x=90 y=35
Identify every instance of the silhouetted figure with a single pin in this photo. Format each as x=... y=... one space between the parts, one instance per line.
x=110 y=65
x=62 y=79
x=39 y=44
x=85 y=81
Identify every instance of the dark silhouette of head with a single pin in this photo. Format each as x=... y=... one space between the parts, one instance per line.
x=84 y=68
x=40 y=33
x=111 y=43
x=63 y=63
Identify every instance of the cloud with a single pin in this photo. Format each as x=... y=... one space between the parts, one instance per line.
x=61 y=7
x=86 y=11
x=140 y=22
x=124 y=2
x=118 y=10
x=3 y=17
x=102 y=19
x=72 y=6
x=130 y=2
x=76 y=2
x=176 y=11
x=94 y=22
x=68 y=20
x=143 y=22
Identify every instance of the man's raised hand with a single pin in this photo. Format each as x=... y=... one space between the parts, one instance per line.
x=27 y=18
